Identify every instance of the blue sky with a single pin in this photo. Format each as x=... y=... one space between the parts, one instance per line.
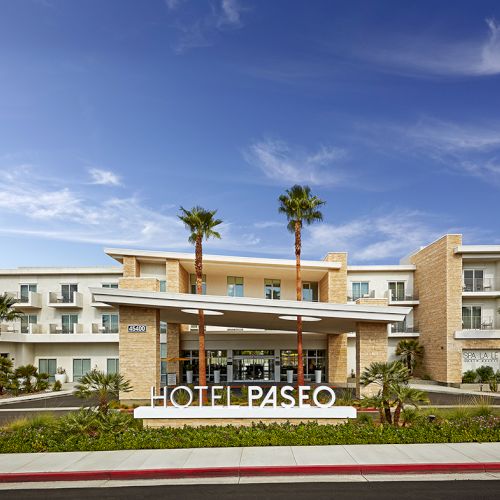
x=112 y=114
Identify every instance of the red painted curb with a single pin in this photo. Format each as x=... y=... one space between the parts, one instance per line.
x=18 y=477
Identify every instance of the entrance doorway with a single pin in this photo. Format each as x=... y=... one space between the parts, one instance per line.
x=250 y=366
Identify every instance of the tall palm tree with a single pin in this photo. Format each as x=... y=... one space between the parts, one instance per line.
x=7 y=311
x=201 y=224
x=300 y=207
x=411 y=352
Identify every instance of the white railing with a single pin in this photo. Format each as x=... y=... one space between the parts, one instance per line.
x=57 y=299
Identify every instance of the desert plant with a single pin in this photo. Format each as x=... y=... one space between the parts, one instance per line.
x=411 y=352
x=345 y=398
x=385 y=375
x=26 y=373
x=60 y=370
x=405 y=395
x=5 y=372
x=103 y=386
x=201 y=223
x=379 y=403
x=409 y=416
x=42 y=382
x=57 y=386
x=299 y=207
x=469 y=377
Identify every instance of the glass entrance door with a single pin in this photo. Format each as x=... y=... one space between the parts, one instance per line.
x=249 y=366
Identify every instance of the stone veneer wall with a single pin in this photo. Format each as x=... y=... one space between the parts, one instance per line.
x=438 y=283
x=131 y=267
x=333 y=288
x=140 y=352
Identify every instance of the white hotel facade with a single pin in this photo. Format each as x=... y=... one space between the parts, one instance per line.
x=446 y=294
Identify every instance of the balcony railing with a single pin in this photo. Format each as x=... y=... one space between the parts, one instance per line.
x=401 y=297
x=57 y=299
x=488 y=324
x=369 y=295
x=99 y=328
x=32 y=299
x=9 y=327
x=481 y=285
x=404 y=328
x=55 y=328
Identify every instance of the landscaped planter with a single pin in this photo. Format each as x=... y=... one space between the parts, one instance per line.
x=61 y=377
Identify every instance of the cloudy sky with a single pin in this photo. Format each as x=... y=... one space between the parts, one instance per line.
x=115 y=113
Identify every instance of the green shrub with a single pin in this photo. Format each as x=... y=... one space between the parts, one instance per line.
x=485 y=374
x=469 y=377
x=57 y=386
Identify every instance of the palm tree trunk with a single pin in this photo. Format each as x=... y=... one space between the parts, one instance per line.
x=202 y=362
x=397 y=413
x=298 y=246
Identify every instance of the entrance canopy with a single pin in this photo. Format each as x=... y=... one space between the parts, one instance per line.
x=247 y=312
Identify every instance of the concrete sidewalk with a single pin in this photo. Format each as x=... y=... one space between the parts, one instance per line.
x=256 y=461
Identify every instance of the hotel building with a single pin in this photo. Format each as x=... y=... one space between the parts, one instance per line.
x=139 y=316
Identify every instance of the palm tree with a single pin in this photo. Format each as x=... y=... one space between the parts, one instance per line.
x=385 y=375
x=103 y=386
x=5 y=372
x=7 y=311
x=406 y=395
x=201 y=224
x=26 y=373
x=376 y=401
x=411 y=352
x=300 y=207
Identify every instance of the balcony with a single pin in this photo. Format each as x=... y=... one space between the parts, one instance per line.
x=32 y=300
x=478 y=330
x=58 y=328
x=99 y=328
x=369 y=295
x=481 y=287
x=10 y=327
x=401 y=299
x=70 y=301
x=401 y=329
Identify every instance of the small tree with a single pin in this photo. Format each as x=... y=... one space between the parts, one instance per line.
x=5 y=373
x=411 y=353
x=42 y=381
x=103 y=386
x=406 y=395
x=469 y=377
x=385 y=375
x=485 y=374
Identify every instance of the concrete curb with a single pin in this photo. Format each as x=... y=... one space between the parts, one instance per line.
x=206 y=472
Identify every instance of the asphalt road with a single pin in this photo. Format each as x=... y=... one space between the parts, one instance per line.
x=457 y=490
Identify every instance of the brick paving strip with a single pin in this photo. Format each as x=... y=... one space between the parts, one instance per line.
x=251 y=462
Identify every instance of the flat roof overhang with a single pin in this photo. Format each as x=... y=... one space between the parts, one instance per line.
x=247 y=312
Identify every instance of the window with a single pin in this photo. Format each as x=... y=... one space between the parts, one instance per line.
x=310 y=291
x=25 y=290
x=163 y=327
x=68 y=323
x=471 y=317
x=216 y=360
x=112 y=365
x=163 y=285
x=110 y=285
x=234 y=286
x=192 y=282
x=110 y=323
x=272 y=289
x=313 y=359
x=360 y=289
x=473 y=280
x=48 y=366
x=163 y=364
x=397 y=289
x=26 y=321
x=80 y=368
x=67 y=292
x=398 y=327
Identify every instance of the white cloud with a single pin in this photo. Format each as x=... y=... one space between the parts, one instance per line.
x=230 y=13
x=173 y=4
x=104 y=177
x=280 y=163
x=374 y=238
x=35 y=207
x=476 y=57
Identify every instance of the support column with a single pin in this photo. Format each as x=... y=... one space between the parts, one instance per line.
x=173 y=349
x=371 y=345
x=140 y=352
x=337 y=359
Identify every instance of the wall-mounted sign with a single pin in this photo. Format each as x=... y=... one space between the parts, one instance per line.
x=474 y=358
x=137 y=328
x=276 y=402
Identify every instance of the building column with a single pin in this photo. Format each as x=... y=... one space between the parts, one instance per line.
x=337 y=359
x=173 y=350
x=371 y=345
x=140 y=352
